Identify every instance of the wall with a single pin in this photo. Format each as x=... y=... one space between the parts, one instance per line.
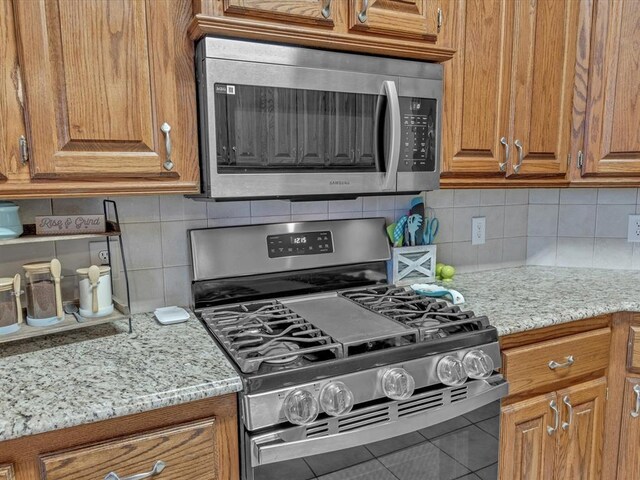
x=156 y=240
x=582 y=227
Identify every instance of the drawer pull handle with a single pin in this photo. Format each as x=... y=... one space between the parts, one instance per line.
x=156 y=470
x=166 y=128
x=636 y=412
x=550 y=430
x=362 y=15
x=566 y=425
x=553 y=364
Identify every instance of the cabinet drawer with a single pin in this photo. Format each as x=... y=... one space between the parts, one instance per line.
x=528 y=368
x=6 y=472
x=187 y=451
x=634 y=349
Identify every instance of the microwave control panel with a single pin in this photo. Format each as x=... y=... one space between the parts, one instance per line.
x=295 y=244
x=418 y=142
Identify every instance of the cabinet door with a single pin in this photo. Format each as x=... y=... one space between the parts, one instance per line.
x=313 y=127
x=342 y=125
x=582 y=431
x=544 y=52
x=297 y=11
x=101 y=77
x=476 y=90
x=629 y=451
x=11 y=98
x=527 y=449
x=404 y=18
x=6 y=472
x=612 y=136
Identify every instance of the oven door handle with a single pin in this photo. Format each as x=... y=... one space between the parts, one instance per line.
x=271 y=448
x=392 y=158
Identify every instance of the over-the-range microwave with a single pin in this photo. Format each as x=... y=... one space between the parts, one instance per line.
x=294 y=122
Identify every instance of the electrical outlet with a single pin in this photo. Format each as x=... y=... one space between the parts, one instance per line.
x=478 y=228
x=633 y=232
x=98 y=253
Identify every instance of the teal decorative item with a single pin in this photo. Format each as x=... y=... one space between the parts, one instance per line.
x=10 y=224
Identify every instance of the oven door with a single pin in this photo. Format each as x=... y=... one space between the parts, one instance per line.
x=275 y=130
x=446 y=433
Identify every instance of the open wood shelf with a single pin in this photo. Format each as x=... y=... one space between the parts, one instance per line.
x=29 y=235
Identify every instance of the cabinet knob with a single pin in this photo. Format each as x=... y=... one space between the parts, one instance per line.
x=554 y=365
x=166 y=128
x=362 y=16
x=156 y=470
x=636 y=413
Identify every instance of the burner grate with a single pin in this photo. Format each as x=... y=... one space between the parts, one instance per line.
x=268 y=332
x=433 y=317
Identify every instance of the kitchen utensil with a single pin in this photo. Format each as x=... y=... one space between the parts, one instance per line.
x=413 y=224
x=42 y=295
x=94 y=278
x=390 y=229
x=431 y=290
x=418 y=209
x=56 y=271
x=10 y=225
x=431 y=227
x=171 y=315
x=17 y=292
x=9 y=319
x=72 y=309
x=94 y=286
x=398 y=233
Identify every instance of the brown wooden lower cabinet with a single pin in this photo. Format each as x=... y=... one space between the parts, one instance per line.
x=6 y=472
x=629 y=450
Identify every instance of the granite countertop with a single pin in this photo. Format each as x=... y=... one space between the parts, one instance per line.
x=526 y=298
x=102 y=372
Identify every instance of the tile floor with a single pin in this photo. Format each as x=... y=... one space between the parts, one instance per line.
x=464 y=448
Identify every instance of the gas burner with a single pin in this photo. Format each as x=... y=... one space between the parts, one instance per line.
x=435 y=318
x=268 y=332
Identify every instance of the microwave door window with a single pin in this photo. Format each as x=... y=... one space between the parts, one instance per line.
x=280 y=118
x=365 y=124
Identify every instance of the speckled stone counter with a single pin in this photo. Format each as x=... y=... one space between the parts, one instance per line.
x=102 y=372
x=526 y=298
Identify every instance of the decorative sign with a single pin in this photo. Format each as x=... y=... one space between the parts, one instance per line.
x=69 y=224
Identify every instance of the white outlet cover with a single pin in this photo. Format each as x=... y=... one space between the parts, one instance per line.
x=95 y=249
x=633 y=232
x=478 y=230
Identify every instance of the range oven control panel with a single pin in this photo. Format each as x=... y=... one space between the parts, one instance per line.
x=295 y=244
x=418 y=142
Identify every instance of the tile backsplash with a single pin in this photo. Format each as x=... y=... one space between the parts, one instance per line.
x=582 y=227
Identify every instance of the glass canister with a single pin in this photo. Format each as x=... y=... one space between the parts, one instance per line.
x=10 y=308
x=42 y=307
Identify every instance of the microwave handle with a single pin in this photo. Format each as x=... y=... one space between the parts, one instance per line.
x=393 y=152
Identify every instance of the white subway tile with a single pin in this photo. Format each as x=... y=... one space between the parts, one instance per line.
x=177 y=207
x=77 y=206
x=515 y=220
x=578 y=196
x=612 y=253
x=517 y=196
x=577 y=221
x=304 y=217
x=175 y=242
x=541 y=250
x=494 y=221
x=466 y=198
x=29 y=209
x=271 y=219
x=490 y=254
x=268 y=208
x=544 y=195
x=228 y=209
x=389 y=215
x=344 y=215
x=228 y=222
x=177 y=286
x=465 y=257
x=445 y=230
x=612 y=221
x=444 y=253
x=310 y=207
x=492 y=197
x=374 y=204
x=147 y=290
x=462 y=222
x=440 y=198
x=73 y=255
x=12 y=257
x=142 y=245
x=542 y=220
x=617 y=196
x=354 y=205
x=514 y=251
x=403 y=202
x=138 y=209
x=575 y=252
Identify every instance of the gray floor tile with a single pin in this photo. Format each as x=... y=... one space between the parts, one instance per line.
x=490 y=410
x=372 y=469
x=489 y=473
x=491 y=426
x=292 y=469
x=334 y=461
x=423 y=462
x=472 y=447
x=444 y=427
x=394 y=444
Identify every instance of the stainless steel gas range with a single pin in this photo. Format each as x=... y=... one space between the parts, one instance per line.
x=331 y=356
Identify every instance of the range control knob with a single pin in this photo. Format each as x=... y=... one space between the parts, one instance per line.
x=478 y=364
x=397 y=384
x=300 y=407
x=336 y=399
x=451 y=371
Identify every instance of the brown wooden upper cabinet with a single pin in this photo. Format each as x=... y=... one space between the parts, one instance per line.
x=508 y=91
x=406 y=18
x=109 y=94
x=612 y=135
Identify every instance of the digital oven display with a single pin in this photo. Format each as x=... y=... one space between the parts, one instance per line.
x=294 y=244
